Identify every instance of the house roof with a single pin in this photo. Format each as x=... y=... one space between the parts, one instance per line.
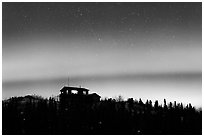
x=94 y=94
x=73 y=88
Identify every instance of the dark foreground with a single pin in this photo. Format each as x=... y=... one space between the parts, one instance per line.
x=34 y=115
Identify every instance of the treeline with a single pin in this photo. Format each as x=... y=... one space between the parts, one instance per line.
x=36 y=115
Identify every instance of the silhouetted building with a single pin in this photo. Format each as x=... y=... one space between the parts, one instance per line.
x=72 y=96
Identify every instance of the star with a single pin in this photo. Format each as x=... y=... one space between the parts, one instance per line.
x=130 y=29
x=99 y=39
x=78 y=9
x=81 y=14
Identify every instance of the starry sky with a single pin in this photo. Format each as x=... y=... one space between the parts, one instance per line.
x=140 y=50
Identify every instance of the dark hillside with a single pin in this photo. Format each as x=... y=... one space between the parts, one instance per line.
x=35 y=115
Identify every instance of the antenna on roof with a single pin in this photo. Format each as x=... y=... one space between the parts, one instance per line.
x=68 y=82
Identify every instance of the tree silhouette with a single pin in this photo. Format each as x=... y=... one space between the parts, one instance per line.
x=37 y=115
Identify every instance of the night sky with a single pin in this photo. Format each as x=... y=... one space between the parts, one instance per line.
x=140 y=50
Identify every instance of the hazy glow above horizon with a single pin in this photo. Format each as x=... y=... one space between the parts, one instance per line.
x=99 y=47
x=51 y=60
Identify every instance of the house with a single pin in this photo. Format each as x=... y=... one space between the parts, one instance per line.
x=77 y=96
